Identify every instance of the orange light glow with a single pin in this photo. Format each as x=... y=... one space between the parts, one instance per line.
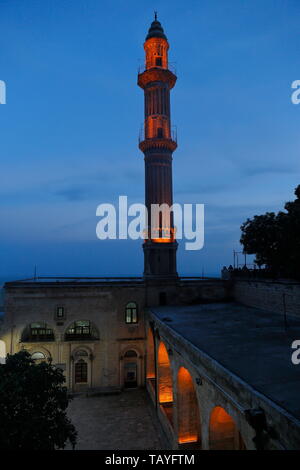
x=187 y=439
x=150 y=356
x=156 y=48
x=188 y=413
x=165 y=386
x=220 y=417
x=222 y=430
x=162 y=240
x=184 y=377
x=169 y=235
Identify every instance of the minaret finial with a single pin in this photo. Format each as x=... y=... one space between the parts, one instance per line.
x=155 y=15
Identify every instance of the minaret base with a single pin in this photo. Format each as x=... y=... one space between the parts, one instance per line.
x=160 y=260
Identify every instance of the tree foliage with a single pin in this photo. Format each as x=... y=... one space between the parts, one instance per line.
x=275 y=239
x=33 y=403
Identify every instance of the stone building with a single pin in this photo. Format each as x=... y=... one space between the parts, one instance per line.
x=213 y=354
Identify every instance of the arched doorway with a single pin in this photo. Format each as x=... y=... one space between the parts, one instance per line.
x=2 y=352
x=82 y=372
x=151 y=378
x=223 y=433
x=189 y=433
x=165 y=384
x=130 y=369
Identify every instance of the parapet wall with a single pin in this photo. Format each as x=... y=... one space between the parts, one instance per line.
x=275 y=296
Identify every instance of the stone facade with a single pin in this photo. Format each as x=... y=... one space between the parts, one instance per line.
x=102 y=303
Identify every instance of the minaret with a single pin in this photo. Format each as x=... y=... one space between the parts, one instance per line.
x=157 y=143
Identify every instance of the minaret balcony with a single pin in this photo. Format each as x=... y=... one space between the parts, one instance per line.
x=156 y=74
x=158 y=142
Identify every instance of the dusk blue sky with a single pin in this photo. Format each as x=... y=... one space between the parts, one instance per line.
x=70 y=127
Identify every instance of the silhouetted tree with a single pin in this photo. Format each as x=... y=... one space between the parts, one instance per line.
x=275 y=239
x=33 y=403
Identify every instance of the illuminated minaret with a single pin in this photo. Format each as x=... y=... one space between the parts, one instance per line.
x=157 y=143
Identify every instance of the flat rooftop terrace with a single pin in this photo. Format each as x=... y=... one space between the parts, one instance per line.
x=251 y=343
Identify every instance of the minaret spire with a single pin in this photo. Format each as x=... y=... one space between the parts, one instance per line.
x=158 y=145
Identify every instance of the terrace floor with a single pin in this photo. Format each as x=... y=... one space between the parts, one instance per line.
x=123 y=421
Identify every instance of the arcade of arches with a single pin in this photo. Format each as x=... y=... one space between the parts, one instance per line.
x=175 y=392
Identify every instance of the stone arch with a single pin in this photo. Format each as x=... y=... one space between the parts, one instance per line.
x=130 y=347
x=2 y=352
x=150 y=355
x=189 y=430
x=164 y=372
x=77 y=349
x=223 y=432
x=39 y=348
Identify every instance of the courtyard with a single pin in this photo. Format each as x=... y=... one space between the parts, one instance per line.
x=122 y=421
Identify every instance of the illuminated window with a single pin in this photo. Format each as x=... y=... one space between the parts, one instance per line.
x=60 y=312
x=131 y=313
x=81 y=372
x=81 y=330
x=38 y=332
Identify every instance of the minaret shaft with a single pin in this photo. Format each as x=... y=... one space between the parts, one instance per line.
x=157 y=144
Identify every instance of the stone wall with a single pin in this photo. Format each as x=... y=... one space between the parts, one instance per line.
x=269 y=295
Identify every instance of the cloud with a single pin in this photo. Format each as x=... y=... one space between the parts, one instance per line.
x=265 y=170
x=74 y=193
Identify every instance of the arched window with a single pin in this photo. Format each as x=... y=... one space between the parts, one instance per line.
x=131 y=313
x=130 y=353
x=38 y=332
x=81 y=330
x=81 y=372
x=81 y=353
x=38 y=356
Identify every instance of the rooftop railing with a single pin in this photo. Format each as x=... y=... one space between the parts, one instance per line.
x=173 y=134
